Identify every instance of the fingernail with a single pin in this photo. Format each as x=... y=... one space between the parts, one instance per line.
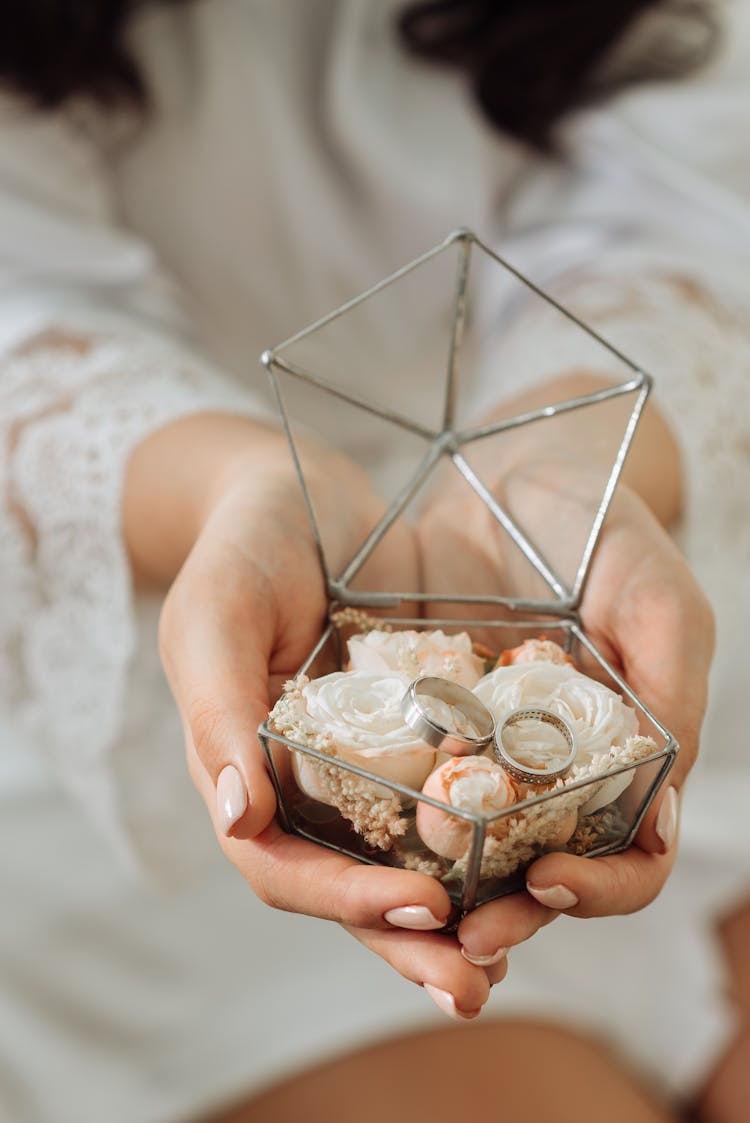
x=666 y=820
x=484 y=960
x=447 y=1003
x=556 y=897
x=231 y=798
x=413 y=916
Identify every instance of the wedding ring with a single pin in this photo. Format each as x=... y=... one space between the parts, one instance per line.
x=447 y=716
x=523 y=772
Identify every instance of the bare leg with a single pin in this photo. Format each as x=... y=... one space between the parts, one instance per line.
x=727 y=1096
x=519 y=1072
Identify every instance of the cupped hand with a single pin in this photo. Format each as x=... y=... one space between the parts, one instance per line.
x=246 y=608
x=248 y=605
x=646 y=614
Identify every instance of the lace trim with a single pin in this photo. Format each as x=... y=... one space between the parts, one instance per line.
x=67 y=632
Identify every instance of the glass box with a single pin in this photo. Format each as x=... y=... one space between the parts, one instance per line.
x=360 y=361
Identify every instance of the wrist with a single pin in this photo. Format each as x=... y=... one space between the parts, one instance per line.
x=179 y=475
x=584 y=442
x=211 y=464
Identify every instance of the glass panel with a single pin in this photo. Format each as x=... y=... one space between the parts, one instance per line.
x=423 y=368
x=390 y=347
x=402 y=811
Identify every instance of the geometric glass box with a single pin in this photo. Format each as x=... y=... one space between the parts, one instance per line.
x=358 y=361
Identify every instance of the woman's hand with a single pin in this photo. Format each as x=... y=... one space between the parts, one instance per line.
x=249 y=602
x=641 y=607
x=645 y=612
x=247 y=606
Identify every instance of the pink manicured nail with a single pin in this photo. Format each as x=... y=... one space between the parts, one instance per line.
x=484 y=960
x=556 y=897
x=447 y=1003
x=413 y=916
x=231 y=798
x=666 y=820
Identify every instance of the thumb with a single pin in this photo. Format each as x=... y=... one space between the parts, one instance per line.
x=226 y=760
x=216 y=662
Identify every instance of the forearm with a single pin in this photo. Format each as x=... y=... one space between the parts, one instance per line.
x=184 y=472
x=179 y=474
x=588 y=437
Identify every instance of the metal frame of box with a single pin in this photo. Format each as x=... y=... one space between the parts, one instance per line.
x=560 y=608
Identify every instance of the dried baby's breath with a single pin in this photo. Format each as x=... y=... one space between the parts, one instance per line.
x=602 y=826
x=433 y=866
x=512 y=842
x=375 y=816
x=363 y=622
x=521 y=837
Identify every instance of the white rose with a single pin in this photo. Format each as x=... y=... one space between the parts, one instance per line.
x=417 y=653
x=598 y=717
x=361 y=714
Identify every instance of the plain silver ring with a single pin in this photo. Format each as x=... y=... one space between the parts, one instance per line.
x=444 y=690
x=520 y=771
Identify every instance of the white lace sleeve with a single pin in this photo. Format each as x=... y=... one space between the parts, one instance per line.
x=80 y=680
x=69 y=422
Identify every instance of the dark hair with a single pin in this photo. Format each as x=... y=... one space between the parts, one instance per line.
x=528 y=61
x=51 y=50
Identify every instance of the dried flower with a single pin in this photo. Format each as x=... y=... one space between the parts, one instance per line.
x=417 y=653
x=473 y=783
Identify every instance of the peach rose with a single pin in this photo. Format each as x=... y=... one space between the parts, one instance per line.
x=417 y=653
x=473 y=783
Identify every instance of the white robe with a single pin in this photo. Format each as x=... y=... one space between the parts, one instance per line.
x=293 y=156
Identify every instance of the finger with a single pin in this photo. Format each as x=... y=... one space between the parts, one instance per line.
x=658 y=630
x=671 y=679
x=487 y=933
x=221 y=724
x=215 y=648
x=242 y=799
x=497 y=971
x=657 y=833
x=434 y=962
x=620 y=883
x=295 y=875
x=671 y=682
